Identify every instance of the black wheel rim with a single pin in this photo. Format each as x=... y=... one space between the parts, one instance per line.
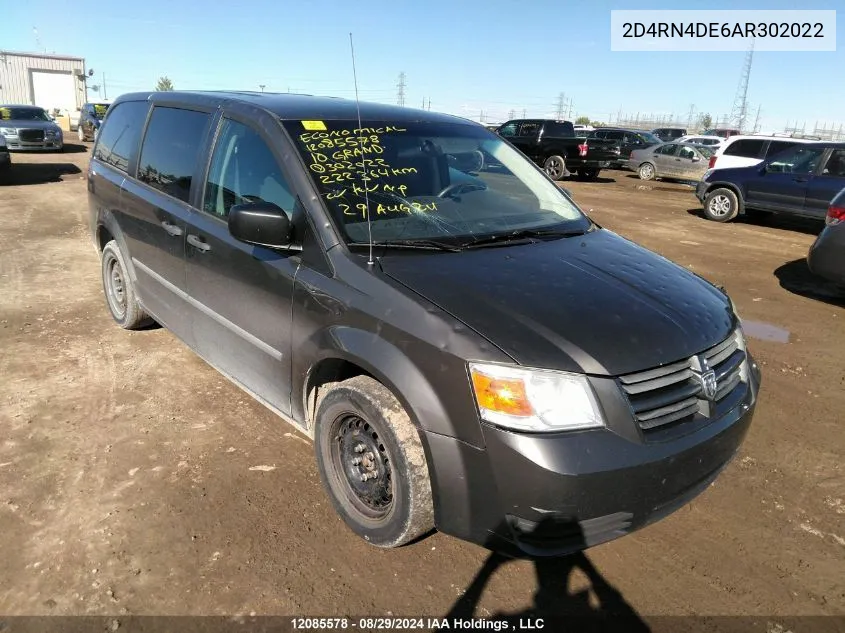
x=115 y=286
x=362 y=464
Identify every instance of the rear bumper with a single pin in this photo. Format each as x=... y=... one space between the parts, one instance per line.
x=554 y=494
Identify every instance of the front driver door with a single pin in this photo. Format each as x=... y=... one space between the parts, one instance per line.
x=241 y=294
x=780 y=184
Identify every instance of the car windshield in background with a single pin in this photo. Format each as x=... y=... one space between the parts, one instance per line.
x=705 y=151
x=23 y=114
x=429 y=181
x=100 y=110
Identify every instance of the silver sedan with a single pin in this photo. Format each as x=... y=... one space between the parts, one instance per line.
x=676 y=161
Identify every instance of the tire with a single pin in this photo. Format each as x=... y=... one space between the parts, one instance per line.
x=646 y=171
x=589 y=173
x=80 y=133
x=96 y=134
x=360 y=419
x=721 y=205
x=119 y=291
x=555 y=167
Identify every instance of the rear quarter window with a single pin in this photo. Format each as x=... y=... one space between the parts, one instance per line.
x=775 y=147
x=118 y=140
x=747 y=148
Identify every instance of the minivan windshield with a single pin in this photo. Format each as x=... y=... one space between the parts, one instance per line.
x=450 y=182
x=22 y=114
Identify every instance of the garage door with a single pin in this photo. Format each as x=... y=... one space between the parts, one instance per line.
x=54 y=90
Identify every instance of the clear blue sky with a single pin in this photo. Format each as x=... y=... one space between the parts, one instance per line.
x=464 y=55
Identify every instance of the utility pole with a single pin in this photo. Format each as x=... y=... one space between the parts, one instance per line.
x=429 y=104
x=570 y=106
x=523 y=113
x=400 y=89
x=261 y=86
x=740 y=108
x=561 y=104
x=512 y=114
x=691 y=116
x=105 y=96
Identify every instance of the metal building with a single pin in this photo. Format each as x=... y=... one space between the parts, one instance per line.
x=53 y=82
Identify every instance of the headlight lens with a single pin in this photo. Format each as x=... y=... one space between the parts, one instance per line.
x=53 y=132
x=534 y=399
x=9 y=131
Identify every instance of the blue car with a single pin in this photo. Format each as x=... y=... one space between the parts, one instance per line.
x=801 y=181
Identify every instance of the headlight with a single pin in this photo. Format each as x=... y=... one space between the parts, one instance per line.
x=54 y=132
x=534 y=399
x=8 y=131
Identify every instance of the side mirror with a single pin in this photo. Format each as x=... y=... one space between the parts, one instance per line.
x=260 y=223
x=696 y=159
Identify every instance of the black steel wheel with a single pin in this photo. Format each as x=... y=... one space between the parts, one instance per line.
x=119 y=290
x=372 y=463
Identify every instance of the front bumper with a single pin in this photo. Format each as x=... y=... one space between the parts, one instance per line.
x=826 y=257
x=555 y=494
x=701 y=190
x=5 y=159
x=15 y=144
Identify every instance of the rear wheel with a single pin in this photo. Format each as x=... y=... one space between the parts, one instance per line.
x=372 y=463
x=555 y=167
x=721 y=205
x=80 y=133
x=120 y=291
x=646 y=171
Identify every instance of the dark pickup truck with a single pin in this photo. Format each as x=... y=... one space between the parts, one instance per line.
x=554 y=146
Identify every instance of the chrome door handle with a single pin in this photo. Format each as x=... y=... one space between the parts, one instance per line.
x=199 y=243
x=171 y=228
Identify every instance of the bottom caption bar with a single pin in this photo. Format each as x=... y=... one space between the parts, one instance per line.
x=526 y=623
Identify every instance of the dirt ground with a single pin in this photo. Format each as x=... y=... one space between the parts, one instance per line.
x=134 y=479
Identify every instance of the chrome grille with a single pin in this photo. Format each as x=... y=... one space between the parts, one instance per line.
x=31 y=136
x=677 y=392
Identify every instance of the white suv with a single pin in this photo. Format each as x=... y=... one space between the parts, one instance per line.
x=745 y=151
x=712 y=142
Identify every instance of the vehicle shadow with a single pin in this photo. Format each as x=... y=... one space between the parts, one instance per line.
x=600 y=180
x=75 y=148
x=37 y=173
x=795 y=276
x=807 y=226
x=599 y=607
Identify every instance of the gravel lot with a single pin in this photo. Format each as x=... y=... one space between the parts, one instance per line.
x=134 y=479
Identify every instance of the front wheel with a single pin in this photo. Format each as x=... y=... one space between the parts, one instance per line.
x=555 y=167
x=80 y=134
x=721 y=205
x=372 y=464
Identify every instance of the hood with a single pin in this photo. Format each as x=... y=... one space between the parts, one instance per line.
x=29 y=125
x=595 y=303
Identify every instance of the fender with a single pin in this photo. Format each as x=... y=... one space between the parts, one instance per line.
x=388 y=364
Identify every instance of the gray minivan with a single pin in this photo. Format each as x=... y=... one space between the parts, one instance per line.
x=467 y=349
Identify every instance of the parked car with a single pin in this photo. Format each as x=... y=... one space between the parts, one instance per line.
x=708 y=141
x=723 y=132
x=628 y=141
x=555 y=146
x=29 y=128
x=801 y=180
x=5 y=159
x=674 y=161
x=451 y=341
x=90 y=118
x=669 y=134
x=744 y=151
x=827 y=254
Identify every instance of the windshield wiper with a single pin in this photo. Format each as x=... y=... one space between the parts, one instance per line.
x=521 y=235
x=428 y=245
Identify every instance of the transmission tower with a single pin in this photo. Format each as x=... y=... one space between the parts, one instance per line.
x=757 y=119
x=561 y=105
x=512 y=114
x=400 y=90
x=740 y=109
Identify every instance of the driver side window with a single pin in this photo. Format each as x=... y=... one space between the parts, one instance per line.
x=243 y=170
